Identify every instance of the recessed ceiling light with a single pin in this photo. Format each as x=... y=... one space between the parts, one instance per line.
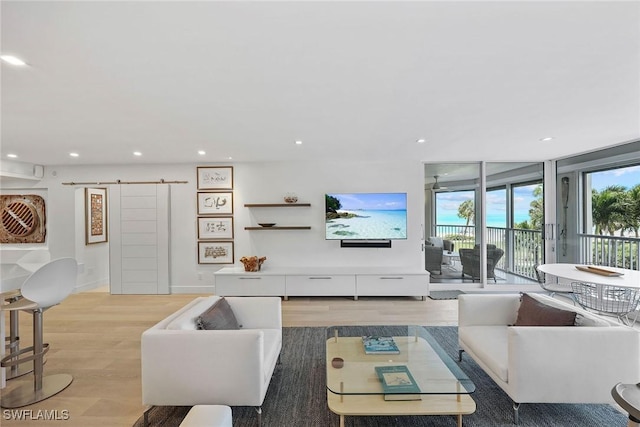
x=548 y=138
x=12 y=156
x=137 y=153
x=10 y=59
x=202 y=152
x=74 y=154
x=421 y=141
x=298 y=142
x=229 y=157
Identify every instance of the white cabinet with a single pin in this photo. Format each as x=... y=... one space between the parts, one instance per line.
x=392 y=285
x=322 y=281
x=250 y=284
x=320 y=285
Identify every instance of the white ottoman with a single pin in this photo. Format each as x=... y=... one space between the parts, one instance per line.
x=208 y=416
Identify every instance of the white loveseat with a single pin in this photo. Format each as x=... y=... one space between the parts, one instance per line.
x=547 y=364
x=183 y=366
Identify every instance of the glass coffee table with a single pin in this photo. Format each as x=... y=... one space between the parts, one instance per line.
x=435 y=384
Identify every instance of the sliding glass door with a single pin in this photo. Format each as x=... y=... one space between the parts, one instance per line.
x=510 y=198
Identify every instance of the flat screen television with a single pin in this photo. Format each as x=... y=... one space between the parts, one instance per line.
x=366 y=216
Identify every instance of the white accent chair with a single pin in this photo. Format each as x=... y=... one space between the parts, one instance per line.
x=208 y=416
x=547 y=364
x=184 y=366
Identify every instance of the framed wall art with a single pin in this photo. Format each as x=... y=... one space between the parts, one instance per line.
x=215 y=203
x=215 y=228
x=95 y=201
x=215 y=252
x=23 y=219
x=215 y=177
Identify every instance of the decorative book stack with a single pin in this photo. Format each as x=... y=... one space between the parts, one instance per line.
x=398 y=383
x=379 y=345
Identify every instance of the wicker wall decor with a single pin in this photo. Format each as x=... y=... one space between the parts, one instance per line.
x=23 y=219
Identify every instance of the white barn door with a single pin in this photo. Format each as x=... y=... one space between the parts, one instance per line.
x=139 y=238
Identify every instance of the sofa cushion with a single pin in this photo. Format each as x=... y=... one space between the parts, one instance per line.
x=489 y=344
x=535 y=313
x=186 y=320
x=219 y=316
x=588 y=319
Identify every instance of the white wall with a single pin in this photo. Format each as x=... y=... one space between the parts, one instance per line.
x=264 y=182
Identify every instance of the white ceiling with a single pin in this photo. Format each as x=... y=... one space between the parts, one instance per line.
x=352 y=80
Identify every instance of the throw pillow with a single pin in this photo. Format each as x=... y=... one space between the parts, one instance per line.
x=436 y=241
x=219 y=316
x=536 y=313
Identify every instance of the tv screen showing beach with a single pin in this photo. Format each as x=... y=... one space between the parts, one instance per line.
x=366 y=216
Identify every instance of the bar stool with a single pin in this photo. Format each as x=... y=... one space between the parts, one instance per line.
x=628 y=397
x=28 y=264
x=46 y=287
x=13 y=340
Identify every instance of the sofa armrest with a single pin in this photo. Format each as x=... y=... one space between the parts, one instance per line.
x=571 y=364
x=257 y=312
x=203 y=367
x=487 y=309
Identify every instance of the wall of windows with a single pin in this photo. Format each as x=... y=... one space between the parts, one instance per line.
x=598 y=207
x=500 y=204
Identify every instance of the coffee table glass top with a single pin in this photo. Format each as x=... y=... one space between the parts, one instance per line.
x=351 y=371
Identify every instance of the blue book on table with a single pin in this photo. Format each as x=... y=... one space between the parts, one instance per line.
x=379 y=345
x=398 y=383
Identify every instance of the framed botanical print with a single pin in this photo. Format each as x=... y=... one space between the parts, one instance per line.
x=95 y=201
x=215 y=228
x=215 y=203
x=215 y=177
x=215 y=252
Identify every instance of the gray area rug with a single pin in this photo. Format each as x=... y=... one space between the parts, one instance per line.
x=297 y=395
x=444 y=294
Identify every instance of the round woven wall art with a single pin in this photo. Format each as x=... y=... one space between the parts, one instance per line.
x=22 y=219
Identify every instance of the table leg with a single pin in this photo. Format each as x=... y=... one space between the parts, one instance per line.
x=341 y=420
x=459 y=420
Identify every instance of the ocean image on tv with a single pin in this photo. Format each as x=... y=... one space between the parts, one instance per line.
x=366 y=216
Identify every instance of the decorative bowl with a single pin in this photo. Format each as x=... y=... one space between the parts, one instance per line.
x=290 y=198
x=266 y=224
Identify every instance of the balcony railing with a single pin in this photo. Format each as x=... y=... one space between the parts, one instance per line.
x=612 y=251
x=522 y=248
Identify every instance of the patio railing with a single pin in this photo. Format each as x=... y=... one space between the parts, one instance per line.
x=612 y=251
x=522 y=248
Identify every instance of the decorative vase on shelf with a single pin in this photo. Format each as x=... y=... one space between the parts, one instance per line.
x=290 y=198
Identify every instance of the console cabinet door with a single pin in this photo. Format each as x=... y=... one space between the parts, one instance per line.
x=321 y=285
x=250 y=285
x=392 y=284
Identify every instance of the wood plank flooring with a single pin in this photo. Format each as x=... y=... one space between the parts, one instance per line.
x=95 y=337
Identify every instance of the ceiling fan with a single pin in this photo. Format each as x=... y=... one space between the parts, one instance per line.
x=436 y=185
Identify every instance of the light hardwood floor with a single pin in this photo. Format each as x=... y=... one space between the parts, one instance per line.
x=95 y=337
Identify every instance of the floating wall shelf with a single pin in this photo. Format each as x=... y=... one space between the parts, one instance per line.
x=276 y=205
x=284 y=227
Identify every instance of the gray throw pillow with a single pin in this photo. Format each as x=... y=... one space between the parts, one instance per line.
x=535 y=313
x=219 y=316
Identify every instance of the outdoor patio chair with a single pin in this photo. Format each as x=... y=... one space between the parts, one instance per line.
x=470 y=260
x=433 y=259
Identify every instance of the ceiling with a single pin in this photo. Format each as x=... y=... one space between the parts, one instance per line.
x=351 y=80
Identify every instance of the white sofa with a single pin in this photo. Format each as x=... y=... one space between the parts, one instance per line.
x=547 y=364
x=183 y=366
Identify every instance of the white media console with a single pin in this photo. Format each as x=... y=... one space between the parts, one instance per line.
x=322 y=281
